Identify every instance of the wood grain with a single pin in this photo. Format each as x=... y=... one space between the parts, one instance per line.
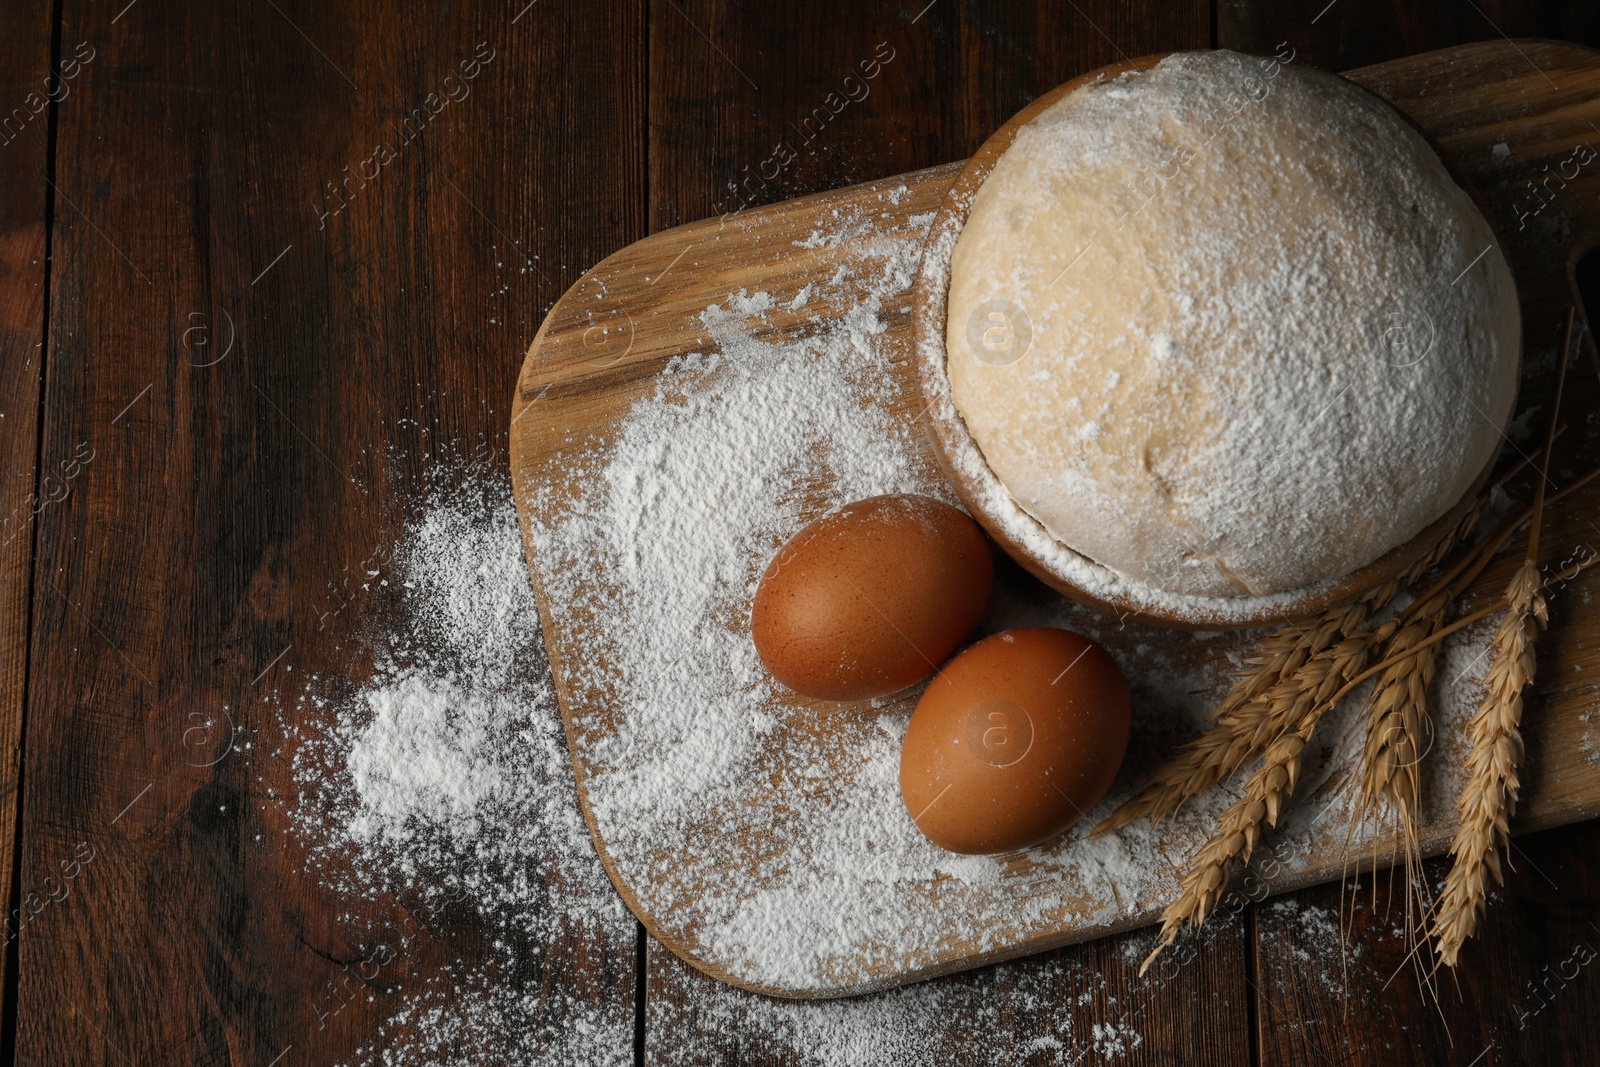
x=25 y=106
x=193 y=585
x=1527 y=992
x=734 y=85
x=1353 y=33
x=1077 y=1005
x=228 y=122
x=1470 y=99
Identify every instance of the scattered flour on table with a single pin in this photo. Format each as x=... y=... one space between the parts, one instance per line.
x=1311 y=940
x=1067 y=1009
x=441 y=783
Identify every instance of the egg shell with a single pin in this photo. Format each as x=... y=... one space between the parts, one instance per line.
x=871 y=598
x=1014 y=740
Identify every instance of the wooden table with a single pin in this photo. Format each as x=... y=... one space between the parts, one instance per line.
x=179 y=165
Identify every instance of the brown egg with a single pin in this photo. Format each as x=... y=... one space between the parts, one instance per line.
x=871 y=598
x=1014 y=741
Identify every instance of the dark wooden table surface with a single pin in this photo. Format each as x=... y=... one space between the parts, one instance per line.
x=161 y=161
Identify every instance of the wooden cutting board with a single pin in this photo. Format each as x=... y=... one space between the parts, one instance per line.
x=1521 y=117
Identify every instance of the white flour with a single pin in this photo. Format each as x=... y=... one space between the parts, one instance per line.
x=421 y=763
x=778 y=838
x=1310 y=941
x=1068 y=1009
x=445 y=775
x=442 y=782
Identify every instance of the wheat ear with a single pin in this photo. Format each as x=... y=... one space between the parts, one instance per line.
x=1489 y=796
x=1397 y=710
x=1244 y=719
x=1235 y=840
x=1396 y=714
x=1299 y=705
x=1251 y=715
x=1467 y=571
x=1240 y=732
x=1293 y=709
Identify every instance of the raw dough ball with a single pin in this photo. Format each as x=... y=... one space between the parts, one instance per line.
x=1229 y=327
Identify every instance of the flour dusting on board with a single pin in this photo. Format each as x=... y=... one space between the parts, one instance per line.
x=767 y=831
x=441 y=782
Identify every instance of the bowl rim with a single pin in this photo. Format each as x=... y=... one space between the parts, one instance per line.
x=955 y=450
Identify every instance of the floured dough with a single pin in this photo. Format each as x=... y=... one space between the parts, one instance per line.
x=1229 y=327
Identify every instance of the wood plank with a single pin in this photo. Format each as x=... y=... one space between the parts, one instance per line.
x=1528 y=990
x=959 y=70
x=26 y=92
x=1346 y=34
x=378 y=323
x=1082 y=1004
x=749 y=104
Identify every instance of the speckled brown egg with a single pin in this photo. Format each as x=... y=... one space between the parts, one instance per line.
x=1014 y=740
x=871 y=598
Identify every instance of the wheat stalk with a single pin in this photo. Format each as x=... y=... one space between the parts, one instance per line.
x=1235 y=840
x=1489 y=797
x=1243 y=728
x=1571 y=570
x=1467 y=571
x=1287 y=648
x=1396 y=713
x=1398 y=705
x=1252 y=713
x=1294 y=708
x=1299 y=706
x=1288 y=711
x=1397 y=710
